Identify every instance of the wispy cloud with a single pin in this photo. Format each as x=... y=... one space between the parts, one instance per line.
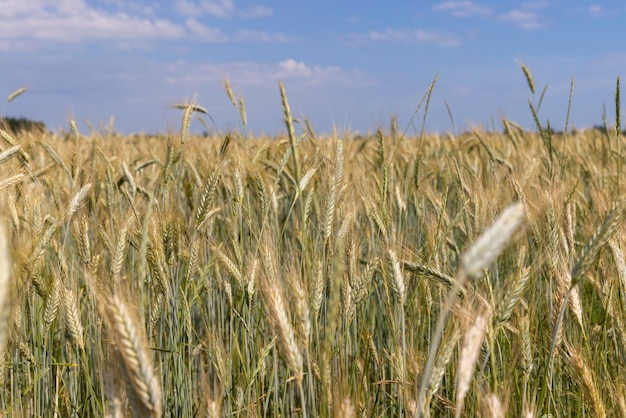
x=535 y=5
x=464 y=8
x=260 y=74
x=524 y=19
x=133 y=7
x=257 y=12
x=188 y=8
x=417 y=37
x=223 y=9
x=219 y=8
x=246 y=35
x=203 y=32
x=596 y=10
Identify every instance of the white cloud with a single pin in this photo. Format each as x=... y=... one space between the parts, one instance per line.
x=417 y=36
x=223 y=9
x=292 y=69
x=27 y=25
x=18 y=8
x=74 y=20
x=524 y=19
x=463 y=8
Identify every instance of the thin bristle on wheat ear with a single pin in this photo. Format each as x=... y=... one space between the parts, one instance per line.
x=135 y=357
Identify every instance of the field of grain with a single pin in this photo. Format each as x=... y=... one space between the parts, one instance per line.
x=181 y=276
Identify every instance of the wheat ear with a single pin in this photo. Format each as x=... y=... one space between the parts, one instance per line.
x=135 y=357
x=467 y=359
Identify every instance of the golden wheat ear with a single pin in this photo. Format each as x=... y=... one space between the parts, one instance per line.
x=136 y=362
x=130 y=352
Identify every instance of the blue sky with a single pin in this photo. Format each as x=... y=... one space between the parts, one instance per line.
x=346 y=64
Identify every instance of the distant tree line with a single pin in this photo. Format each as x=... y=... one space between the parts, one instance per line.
x=17 y=125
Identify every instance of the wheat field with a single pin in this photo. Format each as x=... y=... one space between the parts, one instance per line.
x=390 y=275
